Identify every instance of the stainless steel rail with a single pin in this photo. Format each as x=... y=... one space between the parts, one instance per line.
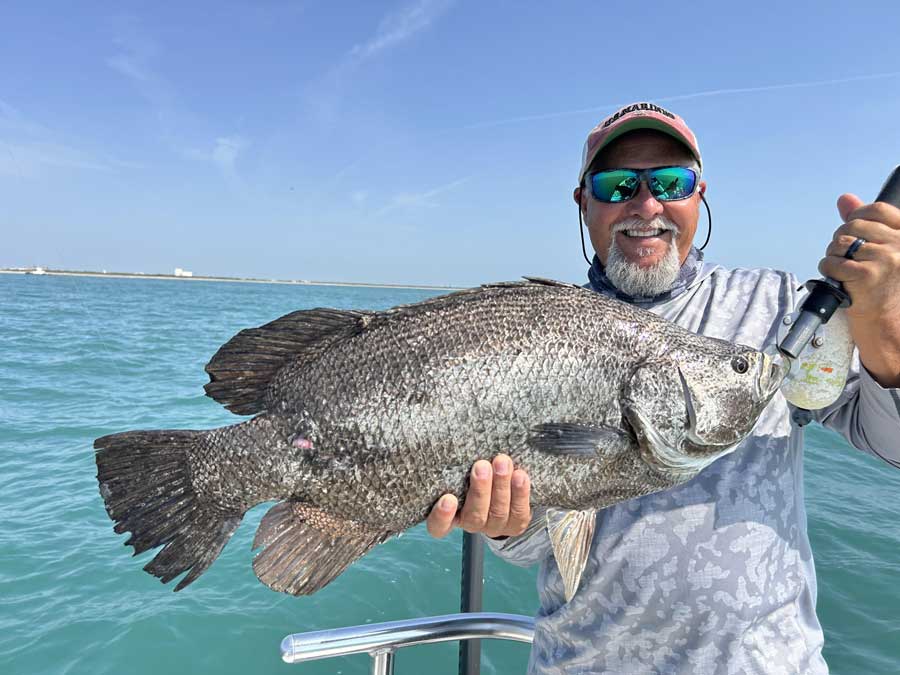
x=381 y=640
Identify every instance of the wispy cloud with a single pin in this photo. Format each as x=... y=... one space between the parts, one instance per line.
x=226 y=151
x=13 y=120
x=224 y=156
x=681 y=97
x=420 y=199
x=28 y=159
x=135 y=60
x=395 y=28
x=27 y=147
x=398 y=27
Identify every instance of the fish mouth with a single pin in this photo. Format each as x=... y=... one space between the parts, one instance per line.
x=774 y=369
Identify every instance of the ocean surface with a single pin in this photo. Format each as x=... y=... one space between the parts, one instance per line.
x=84 y=357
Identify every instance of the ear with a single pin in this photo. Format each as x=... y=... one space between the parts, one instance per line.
x=702 y=188
x=576 y=195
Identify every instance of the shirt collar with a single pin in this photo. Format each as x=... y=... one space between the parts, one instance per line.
x=686 y=276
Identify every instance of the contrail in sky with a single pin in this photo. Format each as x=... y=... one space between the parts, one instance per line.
x=681 y=97
x=663 y=99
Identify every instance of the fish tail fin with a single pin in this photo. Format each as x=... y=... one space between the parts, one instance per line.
x=305 y=548
x=145 y=483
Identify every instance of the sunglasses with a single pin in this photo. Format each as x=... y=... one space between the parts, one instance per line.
x=666 y=183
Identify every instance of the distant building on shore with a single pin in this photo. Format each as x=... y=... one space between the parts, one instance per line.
x=183 y=273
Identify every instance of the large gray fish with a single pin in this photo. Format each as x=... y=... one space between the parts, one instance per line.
x=364 y=419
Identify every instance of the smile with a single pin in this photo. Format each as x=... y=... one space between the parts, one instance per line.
x=643 y=233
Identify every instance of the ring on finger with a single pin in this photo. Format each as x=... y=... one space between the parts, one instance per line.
x=854 y=247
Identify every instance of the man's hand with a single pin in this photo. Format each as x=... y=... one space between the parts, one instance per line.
x=872 y=278
x=497 y=503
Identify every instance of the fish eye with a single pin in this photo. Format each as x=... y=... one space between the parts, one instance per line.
x=740 y=365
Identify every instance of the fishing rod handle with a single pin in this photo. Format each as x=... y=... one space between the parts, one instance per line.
x=827 y=294
x=890 y=191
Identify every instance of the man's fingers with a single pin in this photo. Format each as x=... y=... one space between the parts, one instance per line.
x=478 y=499
x=497 y=502
x=498 y=513
x=842 y=242
x=847 y=204
x=519 y=503
x=846 y=271
x=442 y=517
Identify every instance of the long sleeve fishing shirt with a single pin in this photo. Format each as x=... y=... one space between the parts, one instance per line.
x=715 y=575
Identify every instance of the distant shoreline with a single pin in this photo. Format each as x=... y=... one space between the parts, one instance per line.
x=244 y=280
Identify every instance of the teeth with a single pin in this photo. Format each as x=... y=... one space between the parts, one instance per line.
x=644 y=233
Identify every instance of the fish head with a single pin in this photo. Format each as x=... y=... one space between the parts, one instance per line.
x=724 y=393
x=693 y=405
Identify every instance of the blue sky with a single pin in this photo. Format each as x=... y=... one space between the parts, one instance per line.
x=422 y=141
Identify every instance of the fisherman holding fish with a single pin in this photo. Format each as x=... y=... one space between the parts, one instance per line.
x=714 y=575
x=653 y=466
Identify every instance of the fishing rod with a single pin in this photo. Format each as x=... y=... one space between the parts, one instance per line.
x=826 y=295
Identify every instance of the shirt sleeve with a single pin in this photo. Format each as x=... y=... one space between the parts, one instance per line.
x=525 y=550
x=867 y=415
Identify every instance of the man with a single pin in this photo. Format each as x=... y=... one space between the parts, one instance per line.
x=715 y=575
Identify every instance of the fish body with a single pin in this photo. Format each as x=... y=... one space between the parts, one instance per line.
x=364 y=419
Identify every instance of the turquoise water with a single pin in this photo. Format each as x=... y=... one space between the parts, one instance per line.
x=83 y=357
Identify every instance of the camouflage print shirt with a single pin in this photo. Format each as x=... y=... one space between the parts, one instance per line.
x=716 y=575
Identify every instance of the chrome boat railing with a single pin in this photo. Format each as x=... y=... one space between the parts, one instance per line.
x=382 y=640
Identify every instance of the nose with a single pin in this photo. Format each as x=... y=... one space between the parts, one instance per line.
x=644 y=204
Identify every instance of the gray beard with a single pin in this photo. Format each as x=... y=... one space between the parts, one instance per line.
x=643 y=282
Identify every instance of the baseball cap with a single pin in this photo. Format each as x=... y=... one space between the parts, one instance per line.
x=629 y=118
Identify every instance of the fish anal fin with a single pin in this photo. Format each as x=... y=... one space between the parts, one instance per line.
x=562 y=438
x=571 y=534
x=305 y=548
x=240 y=372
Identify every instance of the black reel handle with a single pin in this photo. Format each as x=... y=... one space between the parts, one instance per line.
x=890 y=191
x=826 y=295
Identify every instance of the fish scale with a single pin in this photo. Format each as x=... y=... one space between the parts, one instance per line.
x=364 y=419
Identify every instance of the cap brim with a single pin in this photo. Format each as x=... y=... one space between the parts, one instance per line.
x=633 y=125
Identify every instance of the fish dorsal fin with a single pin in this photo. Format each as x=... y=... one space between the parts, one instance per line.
x=571 y=534
x=552 y=282
x=240 y=372
x=528 y=281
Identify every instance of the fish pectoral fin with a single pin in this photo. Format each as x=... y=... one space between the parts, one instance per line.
x=241 y=371
x=305 y=548
x=560 y=438
x=571 y=534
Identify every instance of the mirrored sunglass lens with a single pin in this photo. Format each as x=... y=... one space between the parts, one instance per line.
x=615 y=186
x=672 y=183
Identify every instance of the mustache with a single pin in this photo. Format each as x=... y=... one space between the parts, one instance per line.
x=636 y=223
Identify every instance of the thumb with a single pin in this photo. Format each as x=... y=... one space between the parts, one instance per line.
x=847 y=204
